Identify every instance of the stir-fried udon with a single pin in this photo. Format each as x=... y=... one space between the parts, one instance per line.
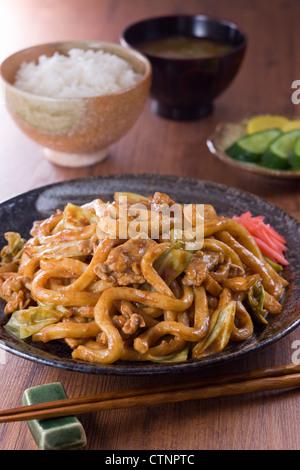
x=117 y=294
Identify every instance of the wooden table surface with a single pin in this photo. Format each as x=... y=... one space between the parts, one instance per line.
x=155 y=145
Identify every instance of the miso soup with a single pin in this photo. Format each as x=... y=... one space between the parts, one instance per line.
x=184 y=47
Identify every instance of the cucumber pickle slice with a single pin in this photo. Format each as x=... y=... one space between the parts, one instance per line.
x=294 y=156
x=250 y=148
x=277 y=154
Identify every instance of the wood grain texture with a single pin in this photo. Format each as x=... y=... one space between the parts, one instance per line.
x=156 y=145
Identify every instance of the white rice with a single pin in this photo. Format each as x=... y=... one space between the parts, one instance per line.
x=80 y=74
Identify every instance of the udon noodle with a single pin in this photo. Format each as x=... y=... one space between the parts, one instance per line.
x=83 y=279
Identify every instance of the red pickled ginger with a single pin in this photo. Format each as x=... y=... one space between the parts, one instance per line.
x=271 y=244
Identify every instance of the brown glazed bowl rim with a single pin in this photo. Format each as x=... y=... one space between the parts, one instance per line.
x=73 y=44
x=208 y=18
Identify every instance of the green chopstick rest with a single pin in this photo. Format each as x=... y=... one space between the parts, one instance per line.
x=62 y=433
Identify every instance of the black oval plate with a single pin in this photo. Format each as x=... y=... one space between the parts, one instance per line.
x=18 y=214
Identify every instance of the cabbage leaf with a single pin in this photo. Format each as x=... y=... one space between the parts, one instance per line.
x=12 y=252
x=255 y=298
x=78 y=217
x=24 y=323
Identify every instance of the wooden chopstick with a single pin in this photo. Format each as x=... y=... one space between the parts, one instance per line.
x=273 y=378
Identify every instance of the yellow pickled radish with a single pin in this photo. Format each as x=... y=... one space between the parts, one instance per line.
x=264 y=122
x=291 y=126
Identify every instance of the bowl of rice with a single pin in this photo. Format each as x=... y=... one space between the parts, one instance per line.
x=75 y=98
